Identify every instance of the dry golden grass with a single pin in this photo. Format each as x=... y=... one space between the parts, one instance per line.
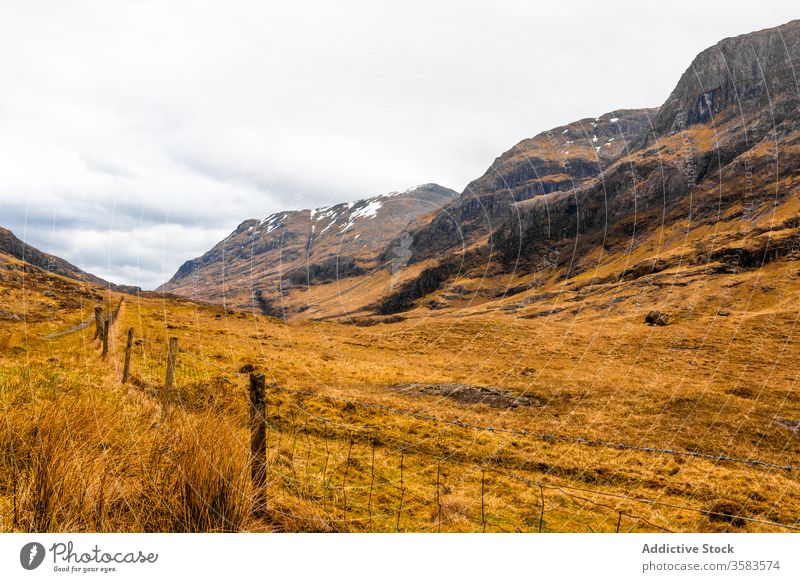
x=83 y=453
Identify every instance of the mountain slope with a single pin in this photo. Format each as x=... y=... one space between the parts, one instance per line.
x=727 y=134
x=263 y=260
x=12 y=246
x=713 y=180
x=709 y=179
x=561 y=159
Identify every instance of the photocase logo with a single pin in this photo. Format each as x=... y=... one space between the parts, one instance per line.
x=31 y=555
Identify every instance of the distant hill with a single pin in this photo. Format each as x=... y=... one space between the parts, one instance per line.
x=14 y=247
x=262 y=260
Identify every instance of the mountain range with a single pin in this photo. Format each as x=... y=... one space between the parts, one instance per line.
x=261 y=263
x=704 y=183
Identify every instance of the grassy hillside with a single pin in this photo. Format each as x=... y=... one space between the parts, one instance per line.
x=478 y=419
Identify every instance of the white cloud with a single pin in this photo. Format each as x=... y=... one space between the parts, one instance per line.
x=123 y=121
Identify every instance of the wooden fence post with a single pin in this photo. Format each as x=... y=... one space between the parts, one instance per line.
x=98 y=321
x=402 y=492
x=106 y=326
x=541 y=516
x=438 y=500
x=258 y=439
x=128 y=346
x=483 y=506
x=116 y=310
x=169 y=381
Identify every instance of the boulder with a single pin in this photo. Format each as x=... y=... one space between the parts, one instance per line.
x=656 y=317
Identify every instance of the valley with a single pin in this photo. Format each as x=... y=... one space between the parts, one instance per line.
x=487 y=401
x=599 y=334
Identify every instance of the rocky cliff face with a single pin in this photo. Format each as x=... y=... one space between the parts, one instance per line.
x=262 y=260
x=724 y=149
x=559 y=160
x=746 y=75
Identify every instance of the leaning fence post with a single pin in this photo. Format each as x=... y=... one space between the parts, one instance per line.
x=116 y=310
x=169 y=381
x=128 y=346
x=106 y=325
x=98 y=321
x=258 y=439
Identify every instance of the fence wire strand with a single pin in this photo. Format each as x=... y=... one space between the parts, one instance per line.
x=149 y=368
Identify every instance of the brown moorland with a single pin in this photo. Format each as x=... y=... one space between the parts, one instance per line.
x=366 y=432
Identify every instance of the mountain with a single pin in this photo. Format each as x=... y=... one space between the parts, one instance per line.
x=722 y=147
x=748 y=75
x=261 y=262
x=11 y=246
x=709 y=179
x=705 y=182
x=561 y=159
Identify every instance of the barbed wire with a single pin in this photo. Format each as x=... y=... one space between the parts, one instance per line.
x=566 y=490
x=207 y=362
x=562 y=488
x=539 y=435
x=407 y=446
x=414 y=447
x=548 y=437
x=729 y=516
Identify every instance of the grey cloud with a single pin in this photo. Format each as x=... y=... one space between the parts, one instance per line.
x=280 y=192
x=119 y=215
x=108 y=167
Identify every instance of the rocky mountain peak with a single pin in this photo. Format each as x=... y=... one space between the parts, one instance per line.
x=749 y=72
x=557 y=160
x=296 y=247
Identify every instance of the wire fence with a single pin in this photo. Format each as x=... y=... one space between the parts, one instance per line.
x=349 y=474
x=203 y=369
x=570 y=491
x=550 y=437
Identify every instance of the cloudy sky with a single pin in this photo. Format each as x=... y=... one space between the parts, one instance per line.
x=135 y=135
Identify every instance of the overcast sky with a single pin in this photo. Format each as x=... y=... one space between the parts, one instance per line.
x=135 y=135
